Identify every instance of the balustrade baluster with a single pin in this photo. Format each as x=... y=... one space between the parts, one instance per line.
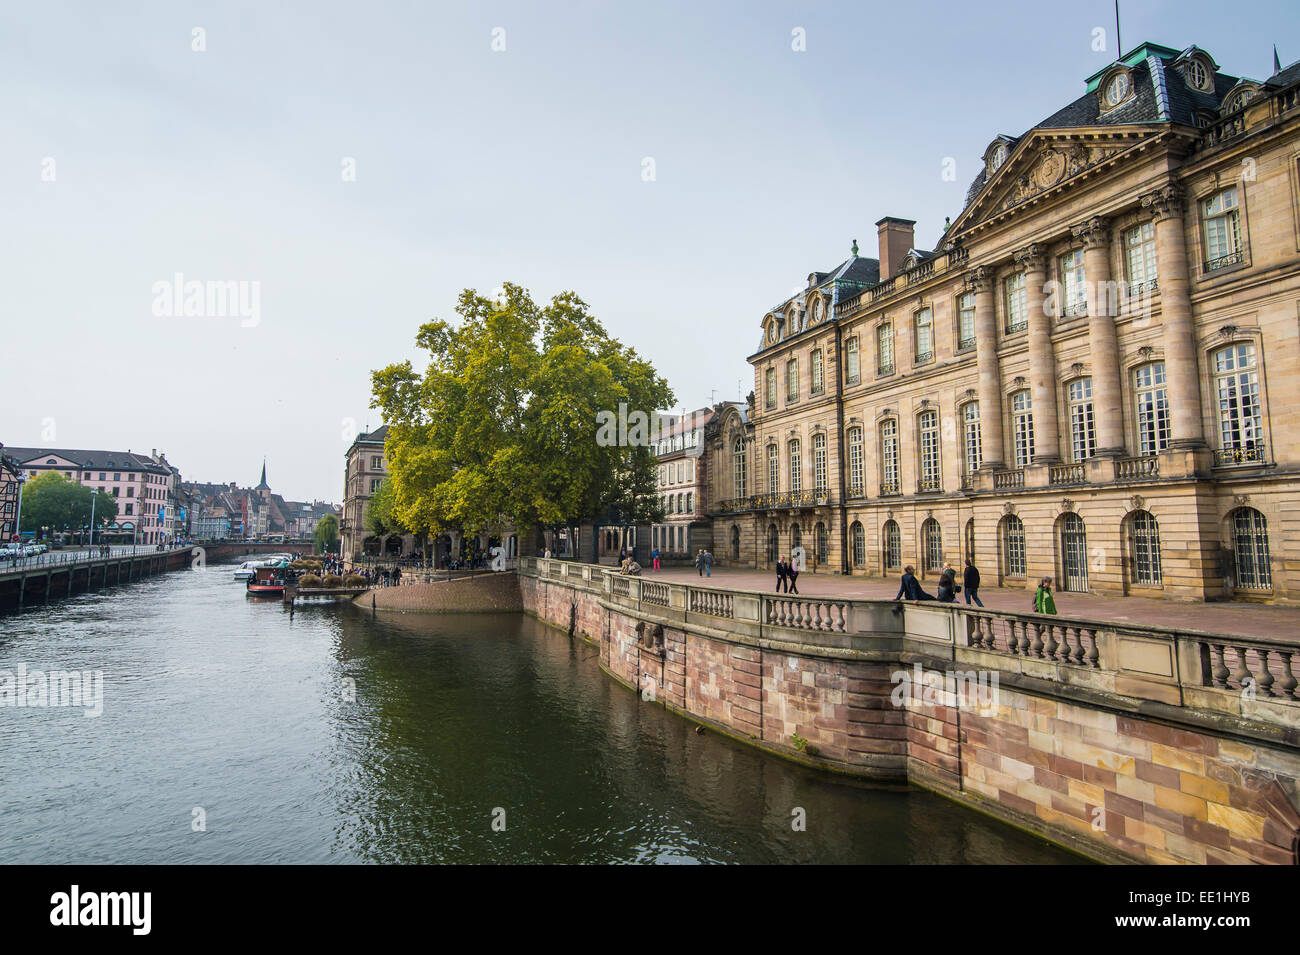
x=1221 y=672
x=1049 y=647
x=1288 y=682
x=1242 y=673
x=1265 y=681
x=1093 y=655
x=1036 y=647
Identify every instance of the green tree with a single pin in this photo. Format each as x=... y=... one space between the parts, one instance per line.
x=502 y=427
x=380 y=519
x=326 y=535
x=51 y=500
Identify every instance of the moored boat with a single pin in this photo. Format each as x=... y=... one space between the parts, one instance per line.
x=268 y=581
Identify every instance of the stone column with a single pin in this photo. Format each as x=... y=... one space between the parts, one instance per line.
x=1042 y=362
x=980 y=282
x=1103 y=344
x=1179 y=333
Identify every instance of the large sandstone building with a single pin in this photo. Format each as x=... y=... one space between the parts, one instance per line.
x=1089 y=378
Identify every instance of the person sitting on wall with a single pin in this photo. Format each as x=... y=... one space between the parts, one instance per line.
x=948 y=586
x=910 y=588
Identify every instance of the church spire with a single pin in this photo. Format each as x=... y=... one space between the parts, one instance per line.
x=263 y=486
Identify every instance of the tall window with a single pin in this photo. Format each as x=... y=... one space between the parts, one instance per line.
x=796 y=467
x=770 y=393
x=1073 y=300
x=792 y=380
x=1237 y=385
x=822 y=544
x=856 y=486
x=735 y=542
x=1140 y=257
x=1013 y=546
x=924 y=335
x=966 y=321
x=819 y=462
x=889 y=457
x=932 y=536
x=1250 y=547
x=1152 y=408
x=739 y=470
x=1222 y=224
x=1144 y=545
x=818 y=383
x=885 y=349
x=773 y=469
x=773 y=544
x=1022 y=427
x=928 y=433
x=1083 y=431
x=858 y=545
x=971 y=444
x=893 y=542
x=1017 y=307
x=851 y=370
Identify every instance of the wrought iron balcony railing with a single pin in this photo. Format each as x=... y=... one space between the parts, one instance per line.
x=1228 y=457
x=785 y=500
x=1223 y=261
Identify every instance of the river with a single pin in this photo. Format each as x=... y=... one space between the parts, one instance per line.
x=232 y=733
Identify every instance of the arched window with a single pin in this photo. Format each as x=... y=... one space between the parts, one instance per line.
x=822 y=548
x=1074 y=553
x=856 y=487
x=1013 y=546
x=932 y=536
x=819 y=462
x=858 y=545
x=893 y=549
x=1250 y=548
x=796 y=467
x=773 y=470
x=927 y=426
x=773 y=544
x=739 y=472
x=1144 y=548
x=889 y=457
x=735 y=542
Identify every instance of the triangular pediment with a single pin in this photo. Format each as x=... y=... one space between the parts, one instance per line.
x=1045 y=160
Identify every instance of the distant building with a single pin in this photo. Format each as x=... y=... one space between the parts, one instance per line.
x=227 y=511
x=683 y=480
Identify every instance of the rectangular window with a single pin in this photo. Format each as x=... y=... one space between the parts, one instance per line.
x=1074 y=300
x=819 y=463
x=928 y=432
x=885 y=349
x=1017 y=310
x=1240 y=417
x=970 y=415
x=1022 y=424
x=1140 y=258
x=1152 y=409
x=796 y=468
x=889 y=458
x=770 y=396
x=1014 y=532
x=855 y=462
x=851 y=370
x=1222 y=219
x=773 y=470
x=966 y=321
x=1083 y=432
x=792 y=380
x=924 y=336
x=818 y=384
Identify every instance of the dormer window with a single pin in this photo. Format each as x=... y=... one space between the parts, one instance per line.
x=1117 y=89
x=1238 y=97
x=819 y=311
x=1198 y=76
x=998 y=158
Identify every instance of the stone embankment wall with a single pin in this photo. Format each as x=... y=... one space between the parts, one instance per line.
x=486 y=593
x=1146 y=773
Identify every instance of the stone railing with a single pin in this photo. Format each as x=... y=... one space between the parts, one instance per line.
x=786 y=500
x=1066 y=474
x=1003 y=480
x=1133 y=469
x=1251 y=680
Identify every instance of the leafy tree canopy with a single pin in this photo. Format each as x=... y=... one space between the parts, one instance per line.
x=502 y=426
x=326 y=535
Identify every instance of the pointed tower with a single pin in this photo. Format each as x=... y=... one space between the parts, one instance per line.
x=263 y=489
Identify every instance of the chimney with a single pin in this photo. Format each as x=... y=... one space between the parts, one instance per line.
x=896 y=237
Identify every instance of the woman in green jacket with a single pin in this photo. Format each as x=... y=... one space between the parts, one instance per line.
x=1043 y=602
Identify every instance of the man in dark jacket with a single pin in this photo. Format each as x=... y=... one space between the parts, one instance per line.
x=781 y=572
x=971 y=578
x=910 y=587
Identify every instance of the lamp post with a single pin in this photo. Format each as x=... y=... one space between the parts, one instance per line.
x=94 y=493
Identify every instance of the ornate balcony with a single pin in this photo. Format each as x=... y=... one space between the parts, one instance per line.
x=1223 y=261
x=1234 y=457
x=931 y=485
x=787 y=500
x=889 y=489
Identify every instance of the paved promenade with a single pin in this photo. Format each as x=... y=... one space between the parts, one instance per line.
x=1227 y=617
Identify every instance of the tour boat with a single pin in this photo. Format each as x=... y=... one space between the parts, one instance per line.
x=248 y=568
x=267 y=580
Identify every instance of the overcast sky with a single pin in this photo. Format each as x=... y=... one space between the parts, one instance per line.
x=130 y=156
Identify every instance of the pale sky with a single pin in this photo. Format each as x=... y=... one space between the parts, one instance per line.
x=130 y=157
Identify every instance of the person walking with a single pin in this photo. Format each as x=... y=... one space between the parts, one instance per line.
x=1043 y=602
x=782 y=572
x=910 y=588
x=792 y=572
x=654 y=558
x=971 y=579
x=699 y=562
x=947 y=592
x=708 y=563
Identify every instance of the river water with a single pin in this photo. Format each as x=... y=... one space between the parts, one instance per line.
x=232 y=733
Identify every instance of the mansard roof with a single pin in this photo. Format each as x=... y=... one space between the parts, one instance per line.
x=86 y=459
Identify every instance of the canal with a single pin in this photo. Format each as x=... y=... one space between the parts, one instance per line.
x=232 y=733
